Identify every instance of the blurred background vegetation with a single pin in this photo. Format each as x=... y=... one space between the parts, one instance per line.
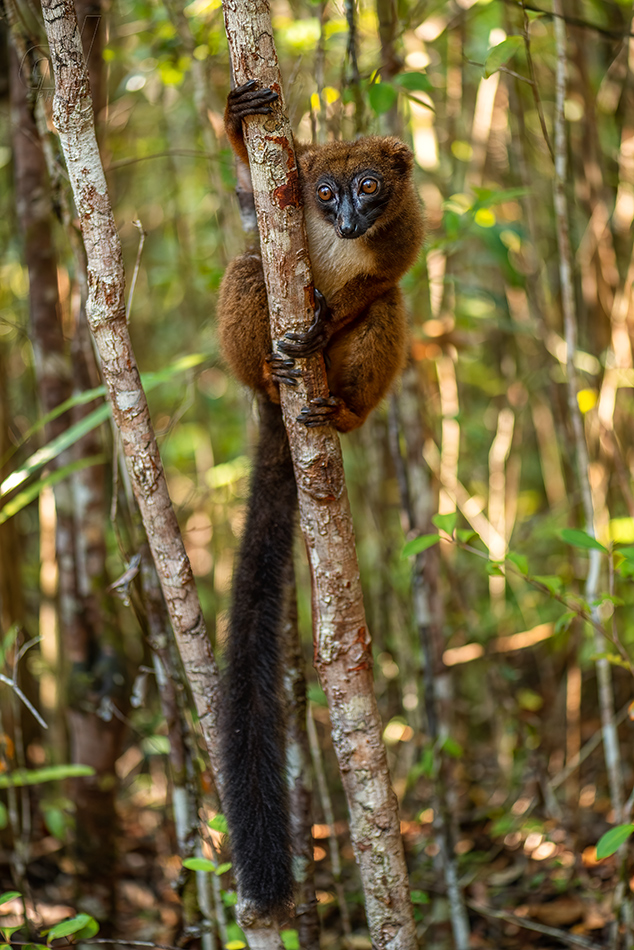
x=481 y=426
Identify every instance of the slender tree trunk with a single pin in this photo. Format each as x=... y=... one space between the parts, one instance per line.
x=80 y=547
x=105 y=309
x=342 y=643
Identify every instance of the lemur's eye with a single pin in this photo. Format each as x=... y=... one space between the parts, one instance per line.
x=324 y=192
x=369 y=186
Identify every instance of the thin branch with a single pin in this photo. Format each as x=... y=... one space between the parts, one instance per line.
x=137 y=265
x=168 y=153
x=533 y=81
x=572 y=20
x=571 y=939
x=18 y=692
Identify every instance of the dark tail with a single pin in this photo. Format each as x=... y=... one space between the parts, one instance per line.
x=253 y=745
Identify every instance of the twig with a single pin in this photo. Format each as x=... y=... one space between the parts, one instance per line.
x=190 y=152
x=137 y=265
x=533 y=81
x=29 y=705
x=501 y=69
x=574 y=21
x=571 y=939
x=580 y=611
x=592 y=743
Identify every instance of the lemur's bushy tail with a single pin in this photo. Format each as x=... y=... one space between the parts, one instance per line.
x=253 y=746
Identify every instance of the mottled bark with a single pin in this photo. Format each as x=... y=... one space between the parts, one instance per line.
x=92 y=28
x=80 y=543
x=342 y=642
x=105 y=308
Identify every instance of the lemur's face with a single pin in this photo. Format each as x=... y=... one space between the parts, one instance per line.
x=352 y=185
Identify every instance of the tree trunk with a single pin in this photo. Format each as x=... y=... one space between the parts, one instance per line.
x=105 y=308
x=342 y=643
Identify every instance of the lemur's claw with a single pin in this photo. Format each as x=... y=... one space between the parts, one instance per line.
x=283 y=369
x=319 y=411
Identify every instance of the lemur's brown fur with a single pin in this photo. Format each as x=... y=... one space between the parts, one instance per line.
x=367 y=323
x=359 y=188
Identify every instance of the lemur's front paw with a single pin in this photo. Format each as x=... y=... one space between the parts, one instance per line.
x=283 y=369
x=248 y=100
x=315 y=338
x=320 y=411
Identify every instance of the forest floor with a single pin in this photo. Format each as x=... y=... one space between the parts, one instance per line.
x=529 y=870
x=533 y=880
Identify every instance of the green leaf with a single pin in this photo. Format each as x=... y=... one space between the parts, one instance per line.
x=75 y=432
x=416 y=545
x=56 y=822
x=519 y=560
x=79 y=399
x=229 y=898
x=529 y=700
x=152 y=380
x=613 y=659
x=500 y=55
x=90 y=930
x=4 y=816
x=445 y=522
x=7 y=932
x=290 y=939
x=612 y=840
x=24 y=498
x=551 y=582
x=565 y=620
x=419 y=897
x=427 y=762
x=316 y=695
x=494 y=568
x=156 y=745
x=452 y=748
x=581 y=539
x=219 y=823
x=199 y=864
x=627 y=553
x=490 y=196
x=54 y=448
x=235 y=937
x=413 y=82
x=382 y=96
x=52 y=773
x=605 y=598
x=466 y=535
x=222 y=868
x=9 y=896
x=69 y=927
